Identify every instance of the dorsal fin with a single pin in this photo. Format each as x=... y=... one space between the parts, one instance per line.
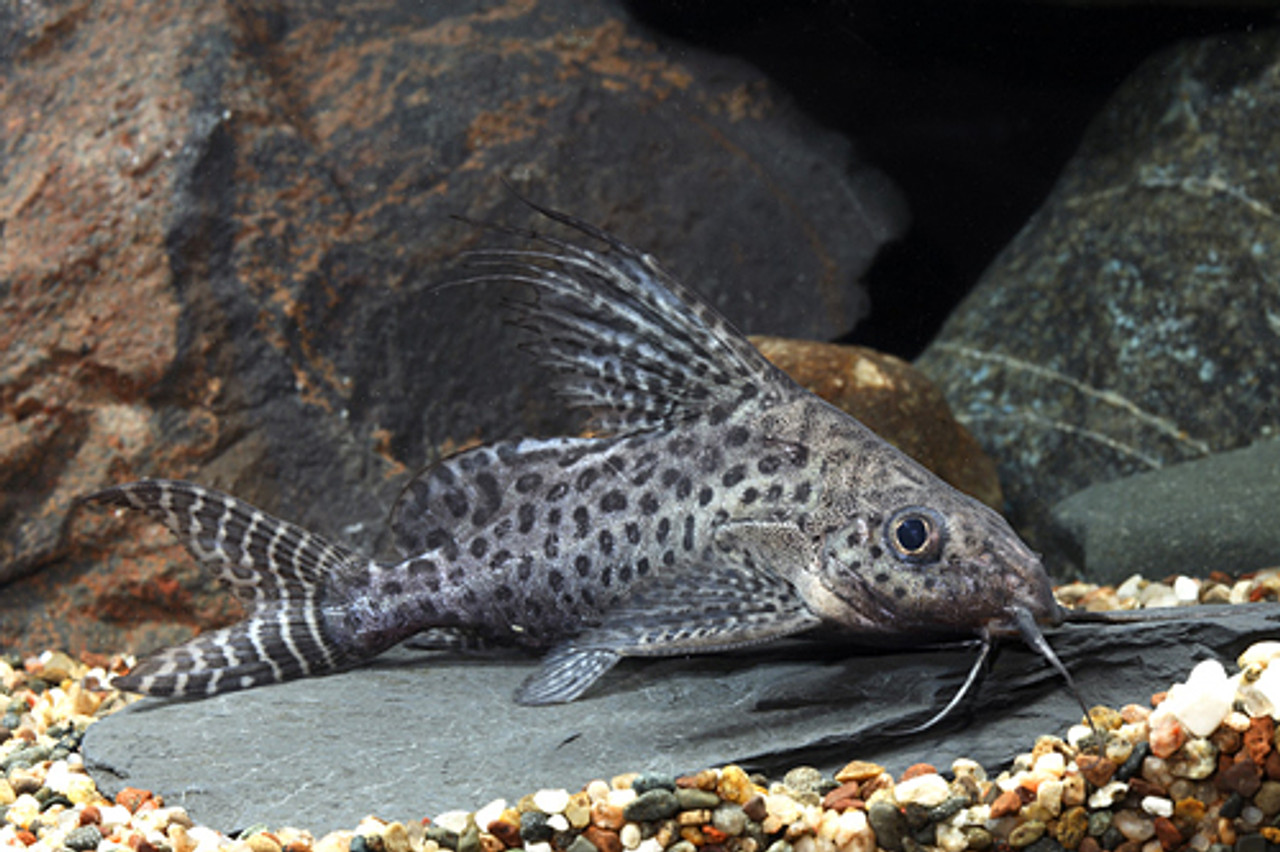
x=627 y=340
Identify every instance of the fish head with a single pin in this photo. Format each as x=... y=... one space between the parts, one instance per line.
x=918 y=555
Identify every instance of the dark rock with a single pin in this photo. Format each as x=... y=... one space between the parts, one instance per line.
x=1122 y=330
x=647 y=781
x=83 y=838
x=888 y=823
x=658 y=803
x=768 y=709
x=534 y=828
x=222 y=270
x=1213 y=511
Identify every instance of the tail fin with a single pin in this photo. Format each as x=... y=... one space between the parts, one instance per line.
x=278 y=569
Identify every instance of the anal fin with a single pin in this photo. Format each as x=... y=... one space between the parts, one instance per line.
x=698 y=610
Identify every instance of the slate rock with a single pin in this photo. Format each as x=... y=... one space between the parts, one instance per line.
x=1220 y=510
x=770 y=709
x=1133 y=322
x=224 y=224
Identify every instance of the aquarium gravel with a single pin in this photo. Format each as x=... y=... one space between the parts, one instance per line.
x=1196 y=767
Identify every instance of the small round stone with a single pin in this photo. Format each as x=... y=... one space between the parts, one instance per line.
x=1026 y=833
x=888 y=823
x=83 y=838
x=551 y=801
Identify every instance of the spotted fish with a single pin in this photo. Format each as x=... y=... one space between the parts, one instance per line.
x=719 y=505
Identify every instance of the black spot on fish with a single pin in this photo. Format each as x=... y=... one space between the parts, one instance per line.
x=606 y=542
x=606 y=576
x=586 y=479
x=551 y=546
x=456 y=574
x=490 y=498
x=624 y=573
x=670 y=477
x=528 y=515
x=773 y=494
x=479 y=546
x=571 y=457
x=899 y=592
x=802 y=492
x=684 y=488
x=557 y=491
x=930 y=583
x=648 y=503
x=503 y=592
x=750 y=496
x=421 y=568
x=664 y=530
x=528 y=482
x=554 y=516
x=469 y=596
x=704 y=495
x=582 y=565
x=525 y=569
x=719 y=413
x=456 y=503
x=733 y=476
x=881 y=577
x=633 y=533
x=876 y=552
x=642 y=566
x=769 y=465
x=581 y=519
x=555 y=579
x=669 y=558
x=688 y=532
x=681 y=446
x=614 y=501
x=852 y=540
x=737 y=436
x=499 y=559
x=392 y=588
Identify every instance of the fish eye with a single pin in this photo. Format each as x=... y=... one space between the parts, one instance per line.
x=915 y=534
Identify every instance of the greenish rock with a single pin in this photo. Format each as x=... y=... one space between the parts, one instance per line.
x=1251 y=843
x=978 y=837
x=445 y=837
x=805 y=779
x=653 y=781
x=690 y=799
x=469 y=840
x=652 y=805
x=579 y=844
x=1099 y=823
x=1026 y=833
x=83 y=838
x=1133 y=323
x=1267 y=799
x=889 y=825
x=1198 y=516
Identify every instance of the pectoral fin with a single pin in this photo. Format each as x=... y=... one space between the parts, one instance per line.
x=698 y=610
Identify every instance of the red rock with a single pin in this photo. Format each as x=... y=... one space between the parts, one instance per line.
x=508 y=833
x=915 y=770
x=1095 y=769
x=843 y=798
x=90 y=815
x=1006 y=804
x=26 y=838
x=133 y=798
x=1257 y=739
x=603 y=839
x=1168 y=834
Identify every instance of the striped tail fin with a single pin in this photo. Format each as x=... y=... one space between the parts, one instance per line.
x=280 y=570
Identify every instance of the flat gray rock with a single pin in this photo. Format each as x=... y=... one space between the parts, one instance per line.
x=418 y=733
x=1196 y=515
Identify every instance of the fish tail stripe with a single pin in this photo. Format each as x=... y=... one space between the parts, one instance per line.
x=284 y=572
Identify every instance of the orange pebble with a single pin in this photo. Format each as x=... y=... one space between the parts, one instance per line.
x=132 y=798
x=917 y=769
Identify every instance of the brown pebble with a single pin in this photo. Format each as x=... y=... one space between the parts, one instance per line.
x=508 y=833
x=603 y=839
x=756 y=808
x=1188 y=812
x=1096 y=770
x=488 y=843
x=843 y=797
x=1272 y=766
x=883 y=781
x=1142 y=787
x=1089 y=844
x=1257 y=740
x=704 y=780
x=1129 y=846
x=606 y=815
x=1006 y=804
x=1243 y=777
x=90 y=815
x=1168 y=834
x=1227 y=740
x=1072 y=827
x=915 y=770
x=859 y=770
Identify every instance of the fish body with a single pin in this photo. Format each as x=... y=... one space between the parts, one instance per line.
x=721 y=505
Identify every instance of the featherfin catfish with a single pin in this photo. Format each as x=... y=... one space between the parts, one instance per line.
x=719 y=505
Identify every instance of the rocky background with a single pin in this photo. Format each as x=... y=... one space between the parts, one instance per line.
x=222 y=223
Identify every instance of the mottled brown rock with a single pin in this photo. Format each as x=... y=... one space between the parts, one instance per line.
x=894 y=400
x=222 y=224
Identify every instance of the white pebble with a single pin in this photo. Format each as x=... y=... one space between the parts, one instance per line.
x=112 y=816
x=1240 y=591
x=557 y=822
x=929 y=789
x=1157 y=595
x=649 y=845
x=621 y=798
x=541 y=846
x=1260 y=653
x=1137 y=828
x=1157 y=806
x=489 y=814
x=598 y=790
x=1202 y=702
x=1130 y=587
x=951 y=839
x=630 y=835
x=782 y=807
x=551 y=801
x=1105 y=797
x=1186 y=590
x=455 y=821
x=963 y=766
x=1051 y=763
x=1262 y=696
